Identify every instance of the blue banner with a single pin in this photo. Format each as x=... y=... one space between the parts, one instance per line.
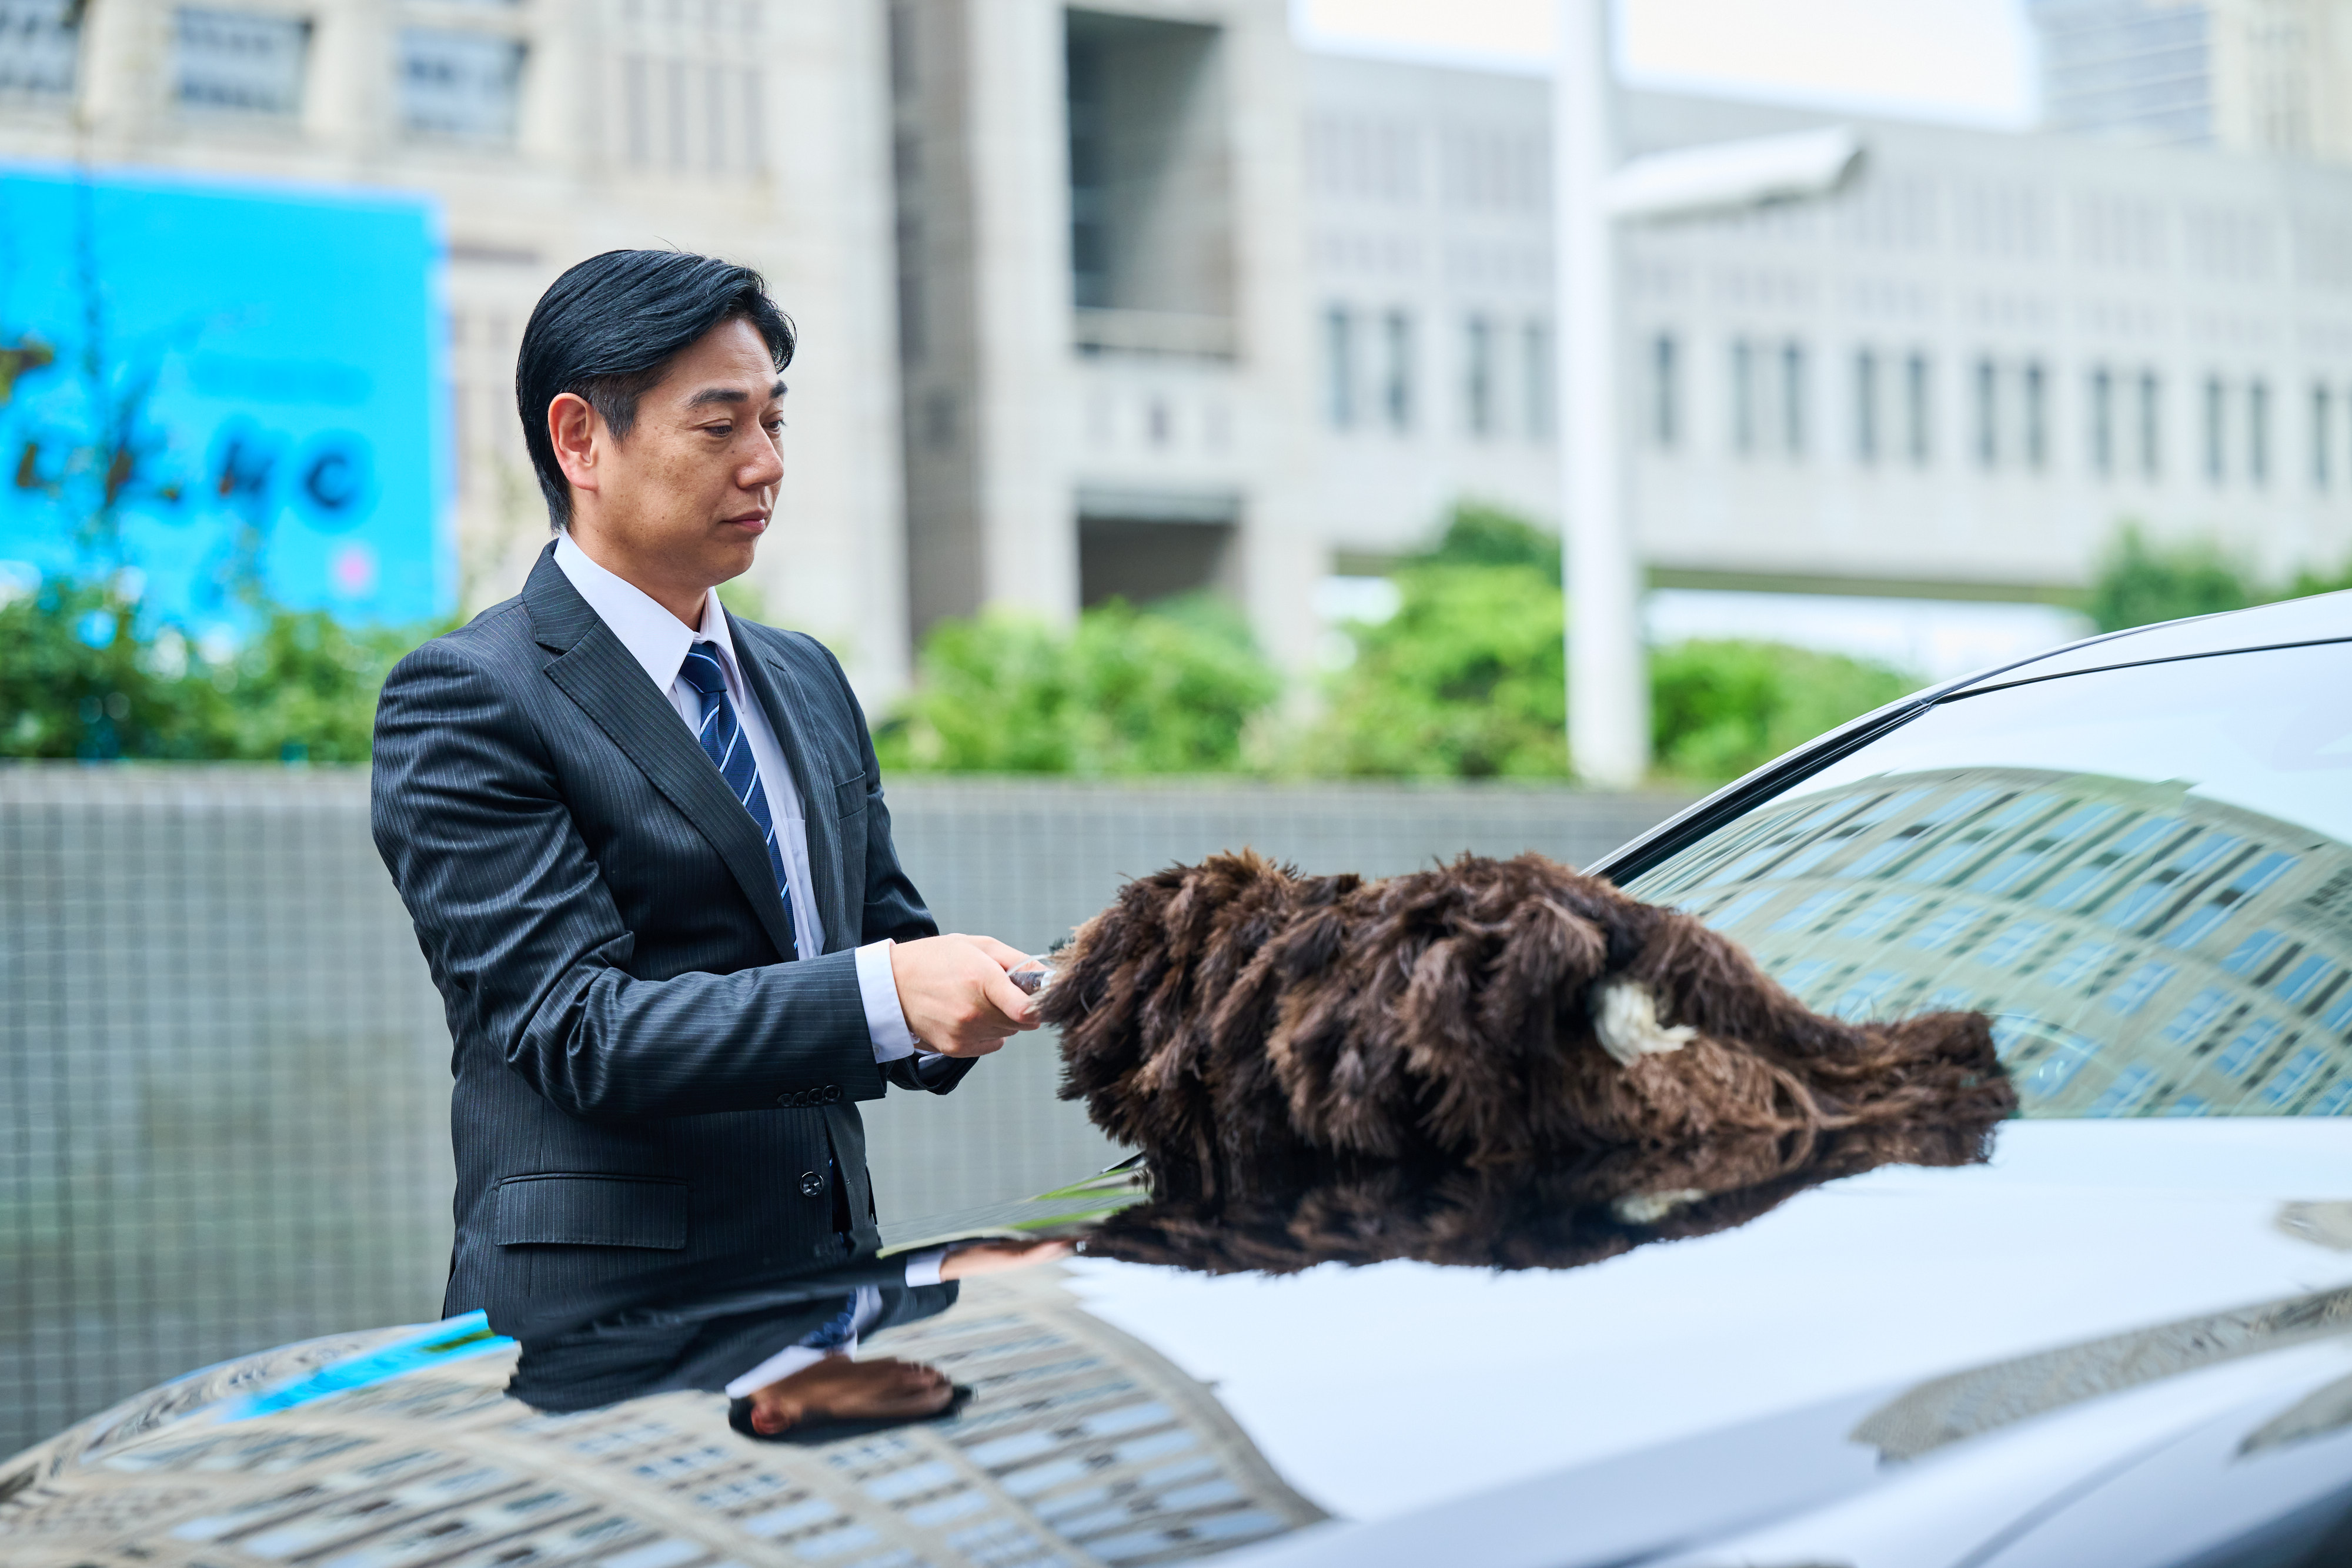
x=223 y=393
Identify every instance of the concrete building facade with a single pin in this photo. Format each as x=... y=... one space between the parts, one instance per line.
x=1099 y=276
x=2249 y=75
x=746 y=127
x=1952 y=377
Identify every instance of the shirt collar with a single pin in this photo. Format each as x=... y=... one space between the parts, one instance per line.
x=655 y=638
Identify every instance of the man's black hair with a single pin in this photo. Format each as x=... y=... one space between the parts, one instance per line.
x=607 y=330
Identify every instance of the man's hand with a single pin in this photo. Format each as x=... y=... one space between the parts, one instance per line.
x=840 y=1389
x=955 y=996
x=997 y=1257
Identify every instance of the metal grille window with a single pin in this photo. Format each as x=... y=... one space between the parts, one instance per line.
x=2216 y=417
x=1396 y=393
x=2258 y=432
x=1792 y=399
x=1665 y=413
x=240 y=61
x=38 y=43
x=1865 y=406
x=1535 y=360
x=1987 y=413
x=1916 y=412
x=1479 y=378
x=2102 y=423
x=2323 y=434
x=1743 y=397
x=1340 y=367
x=2037 y=417
x=459 y=84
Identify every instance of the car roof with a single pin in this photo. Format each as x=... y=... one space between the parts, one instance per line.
x=2320 y=618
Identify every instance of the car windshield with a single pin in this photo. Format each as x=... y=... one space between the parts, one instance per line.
x=2141 y=873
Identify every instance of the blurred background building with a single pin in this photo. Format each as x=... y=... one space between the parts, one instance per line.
x=1143 y=297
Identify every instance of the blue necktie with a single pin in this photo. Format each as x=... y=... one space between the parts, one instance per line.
x=724 y=742
x=839 y=1332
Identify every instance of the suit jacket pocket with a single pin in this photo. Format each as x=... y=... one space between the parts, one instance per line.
x=582 y=1209
x=849 y=797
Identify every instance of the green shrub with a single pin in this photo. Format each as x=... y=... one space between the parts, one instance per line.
x=2140 y=583
x=79 y=678
x=1467 y=680
x=1168 y=688
x=1720 y=708
x=1479 y=534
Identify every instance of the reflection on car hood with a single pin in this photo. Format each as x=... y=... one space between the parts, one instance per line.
x=2097 y=1287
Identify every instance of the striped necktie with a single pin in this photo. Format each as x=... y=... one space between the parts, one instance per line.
x=724 y=743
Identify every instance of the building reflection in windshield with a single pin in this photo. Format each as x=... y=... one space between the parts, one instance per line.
x=2144 y=951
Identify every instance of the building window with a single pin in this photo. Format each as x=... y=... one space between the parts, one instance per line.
x=2102 y=423
x=1396 y=386
x=39 y=43
x=461 y=85
x=2037 y=418
x=1340 y=367
x=1479 y=378
x=2151 y=425
x=1743 y=396
x=241 y=62
x=1915 y=410
x=1792 y=399
x=2216 y=418
x=1865 y=406
x=2258 y=432
x=1535 y=366
x=2323 y=436
x=1665 y=396
x=1987 y=413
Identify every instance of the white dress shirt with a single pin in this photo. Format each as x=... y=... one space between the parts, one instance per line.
x=922 y=1268
x=659 y=641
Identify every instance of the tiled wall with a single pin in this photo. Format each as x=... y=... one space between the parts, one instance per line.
x=223 y=1070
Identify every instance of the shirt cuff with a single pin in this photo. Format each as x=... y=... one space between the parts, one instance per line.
x=923 y=1268
x=886 y=1021
x=775 y=1369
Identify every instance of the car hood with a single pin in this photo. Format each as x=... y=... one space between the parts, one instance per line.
x=2030 y=1326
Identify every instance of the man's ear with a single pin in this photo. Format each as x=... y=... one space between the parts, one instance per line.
x=577 y=432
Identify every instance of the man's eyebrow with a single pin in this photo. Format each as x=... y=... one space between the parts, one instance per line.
x=730 y=394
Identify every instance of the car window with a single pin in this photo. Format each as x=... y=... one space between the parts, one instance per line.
x=2145 y=875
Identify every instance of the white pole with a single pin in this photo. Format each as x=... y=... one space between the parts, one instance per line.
x=1608 y=681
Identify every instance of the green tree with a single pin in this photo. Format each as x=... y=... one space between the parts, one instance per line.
x=1468 y=679
x=2139 y=583
x=1718 y=709
x=1480 y=534
x=1169 y=688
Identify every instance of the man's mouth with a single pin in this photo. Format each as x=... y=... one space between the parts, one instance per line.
x=755 y=521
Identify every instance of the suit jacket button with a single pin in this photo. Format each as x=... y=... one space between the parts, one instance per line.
x=833 y=1094
x=812 y=1185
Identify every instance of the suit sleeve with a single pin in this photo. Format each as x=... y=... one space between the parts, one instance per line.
x=529 y=950
x=893 y=909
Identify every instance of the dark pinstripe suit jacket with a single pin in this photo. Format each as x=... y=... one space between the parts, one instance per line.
x=644 y=1083
x=704 y=1346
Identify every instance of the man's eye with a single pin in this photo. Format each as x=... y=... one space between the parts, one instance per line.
x=719 y=429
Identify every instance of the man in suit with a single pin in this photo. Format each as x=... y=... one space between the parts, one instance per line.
x=780 y=1348
x=643 y=841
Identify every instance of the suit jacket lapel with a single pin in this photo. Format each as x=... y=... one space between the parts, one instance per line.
x=593 y=670
x=785 y=698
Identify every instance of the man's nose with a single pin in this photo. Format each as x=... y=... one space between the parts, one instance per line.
x=766 y=466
